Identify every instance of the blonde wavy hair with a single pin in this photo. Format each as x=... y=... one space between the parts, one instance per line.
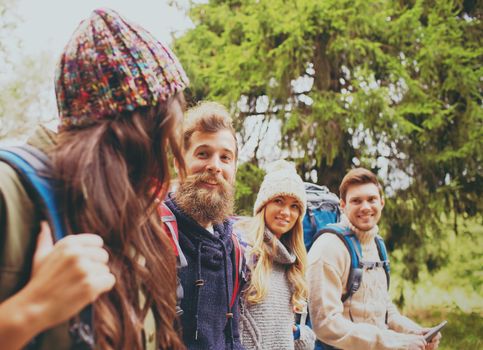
x=294 y=241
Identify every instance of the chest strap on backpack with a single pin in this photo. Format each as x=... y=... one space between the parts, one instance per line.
x=381 y=248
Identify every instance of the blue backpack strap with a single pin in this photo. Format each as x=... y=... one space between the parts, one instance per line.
x=355 y=252
x=34 y=169
x=381 y=248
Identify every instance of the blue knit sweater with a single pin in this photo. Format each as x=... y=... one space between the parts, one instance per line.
x=210 y=259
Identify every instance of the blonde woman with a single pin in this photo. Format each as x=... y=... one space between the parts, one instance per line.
x=276 y=259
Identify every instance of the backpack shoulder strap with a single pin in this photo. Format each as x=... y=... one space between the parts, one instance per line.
x=171 y=227
x=355 y=252
x=34 y=169
x=239 y=264
x=381 y=248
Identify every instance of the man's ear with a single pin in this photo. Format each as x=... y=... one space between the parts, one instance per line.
x=342 y=204
x=382 y=202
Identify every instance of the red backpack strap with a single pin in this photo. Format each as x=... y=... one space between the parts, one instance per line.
x=171 y=227
x=238 y=268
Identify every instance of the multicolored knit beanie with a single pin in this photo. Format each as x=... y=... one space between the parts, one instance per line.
x=281 y=180
x=111 y=66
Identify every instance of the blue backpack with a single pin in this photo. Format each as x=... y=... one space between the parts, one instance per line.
x=322 y=209
x=34 y=170
x=358 y=264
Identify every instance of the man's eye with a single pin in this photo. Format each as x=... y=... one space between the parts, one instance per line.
x=226 y=158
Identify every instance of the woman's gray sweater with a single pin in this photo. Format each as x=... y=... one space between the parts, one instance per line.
x=269 y=324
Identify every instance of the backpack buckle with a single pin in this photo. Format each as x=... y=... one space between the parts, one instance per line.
x=369 y=265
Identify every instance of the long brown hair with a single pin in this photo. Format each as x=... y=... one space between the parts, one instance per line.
x=257 y=289
x=111 y=174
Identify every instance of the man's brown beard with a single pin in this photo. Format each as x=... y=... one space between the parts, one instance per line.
x=204 y=205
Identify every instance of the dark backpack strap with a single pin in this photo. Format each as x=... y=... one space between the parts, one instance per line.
x=34 y=169
x=238 y=257
x=355 y=252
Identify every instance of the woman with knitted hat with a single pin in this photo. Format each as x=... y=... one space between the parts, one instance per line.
x=119 y=94
x=276 y=258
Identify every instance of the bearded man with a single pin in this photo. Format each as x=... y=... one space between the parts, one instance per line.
x=202 y=206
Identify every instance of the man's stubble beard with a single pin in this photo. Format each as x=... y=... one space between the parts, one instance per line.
x=203 y=205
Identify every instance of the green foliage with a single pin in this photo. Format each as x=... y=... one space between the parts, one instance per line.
x=248 y=180
x=463 y=330
x=24 y=98
x=391 y=85
x=457 y=285
x=7 y=24
x=25 y=84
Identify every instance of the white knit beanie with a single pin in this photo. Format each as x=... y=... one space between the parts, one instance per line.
x=281 y=180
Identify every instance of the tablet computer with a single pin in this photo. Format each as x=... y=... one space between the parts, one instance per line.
x=429 y=335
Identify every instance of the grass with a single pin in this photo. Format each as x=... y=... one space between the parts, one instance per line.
x=453 y=293
x=464 y=330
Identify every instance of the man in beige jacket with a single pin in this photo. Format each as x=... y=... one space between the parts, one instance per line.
x=368 y=319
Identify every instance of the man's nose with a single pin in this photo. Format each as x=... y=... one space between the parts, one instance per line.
x=214 y=165
x=365 y=205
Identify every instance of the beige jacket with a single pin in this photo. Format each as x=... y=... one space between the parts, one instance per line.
x=328 y=270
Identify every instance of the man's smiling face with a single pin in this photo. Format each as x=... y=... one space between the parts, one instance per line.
x=363 y=205
x=207 y=192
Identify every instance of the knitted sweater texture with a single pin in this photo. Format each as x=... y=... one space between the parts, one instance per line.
x=268 y=325
x=328 y=270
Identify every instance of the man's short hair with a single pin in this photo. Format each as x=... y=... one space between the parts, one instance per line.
x=209 y=117
x=358 y=176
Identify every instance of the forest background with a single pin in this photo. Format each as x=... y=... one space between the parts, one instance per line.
x=394 y=86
